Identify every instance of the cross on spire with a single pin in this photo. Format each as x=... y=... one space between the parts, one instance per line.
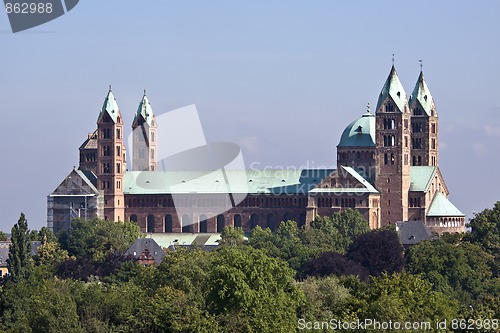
x=393 y=59
x=368 y=107
x=421 y=64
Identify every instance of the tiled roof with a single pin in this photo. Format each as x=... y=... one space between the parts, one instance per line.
x=441 y=206
x=167 y=240
x=143 y=244
x=421 y=177
x=238 y=181
x=412 y=232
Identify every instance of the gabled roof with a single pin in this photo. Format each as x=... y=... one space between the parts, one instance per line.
x=441 y=206
x=362 y=185
x=241 y=181
x=168 y=240
x=422 y=95
x=110 y=106
x=78 y=182
x=141 y=245
x=412 y=232
x=421 y=177
x=393 y=89
x=144 y=110
x=359 y=133
x=90 y=142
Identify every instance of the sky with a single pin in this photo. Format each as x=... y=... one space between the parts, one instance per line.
x=280 y=78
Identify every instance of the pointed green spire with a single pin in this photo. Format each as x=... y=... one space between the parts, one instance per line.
x=422 y=95
x=144 y=110
x=110 y=106
x=394 y=89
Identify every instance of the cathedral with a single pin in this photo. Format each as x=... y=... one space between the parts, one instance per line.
x=387 y=169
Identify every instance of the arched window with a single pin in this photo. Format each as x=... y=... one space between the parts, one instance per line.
x=271 y=222
x=254 y=220
x=203 y=223
x=150 y=223
x=237 y=221
x=220 y=223
x=186 y=223
x=133 y=218
x=169 y=224
x=286 y=217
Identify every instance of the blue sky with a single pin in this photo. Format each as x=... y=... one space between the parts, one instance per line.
x=281 y=78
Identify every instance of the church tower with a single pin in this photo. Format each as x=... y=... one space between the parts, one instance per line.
x=111 y=162
x=392 y=120
x=144 y=150
x=424 y=125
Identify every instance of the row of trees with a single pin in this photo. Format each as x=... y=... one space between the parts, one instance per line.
x=335 y=268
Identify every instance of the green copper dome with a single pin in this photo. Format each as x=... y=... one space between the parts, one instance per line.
x=359 y=133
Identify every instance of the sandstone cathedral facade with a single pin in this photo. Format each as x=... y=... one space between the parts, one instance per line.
x=387 y=169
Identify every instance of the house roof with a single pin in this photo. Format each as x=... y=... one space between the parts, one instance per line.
x=229 y=181
x=421 y=177
x=4 y=251
x=168 y=240
x=393 y=89
x=141 y=245
x=412 y=232
x=441 y=206
x=359 y=133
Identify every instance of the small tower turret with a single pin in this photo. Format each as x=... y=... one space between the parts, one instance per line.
x=424 y=125
x=144 y=136
x=111 y=162
x=392 y=120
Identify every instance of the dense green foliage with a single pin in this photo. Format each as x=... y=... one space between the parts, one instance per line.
x=334 y=268
x=20 y=261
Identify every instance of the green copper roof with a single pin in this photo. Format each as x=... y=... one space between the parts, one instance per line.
x=394 y=89
x=441 y=206
x=145 y=110
x=365 y=188
x=422 y=95
x=110 y=106
x=359 y=133
x=240 y=181
x=421 y=177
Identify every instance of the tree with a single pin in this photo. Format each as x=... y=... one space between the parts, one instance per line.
x=403 y=297
x=257 y=289
x=97 y=238
x=330 y=263
x=485 y=229
x=20 y=263
x=379 y=251
x=460 y=270
x=232 y=236
x=335 y=233
x=326 y=298
x=3 y=237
